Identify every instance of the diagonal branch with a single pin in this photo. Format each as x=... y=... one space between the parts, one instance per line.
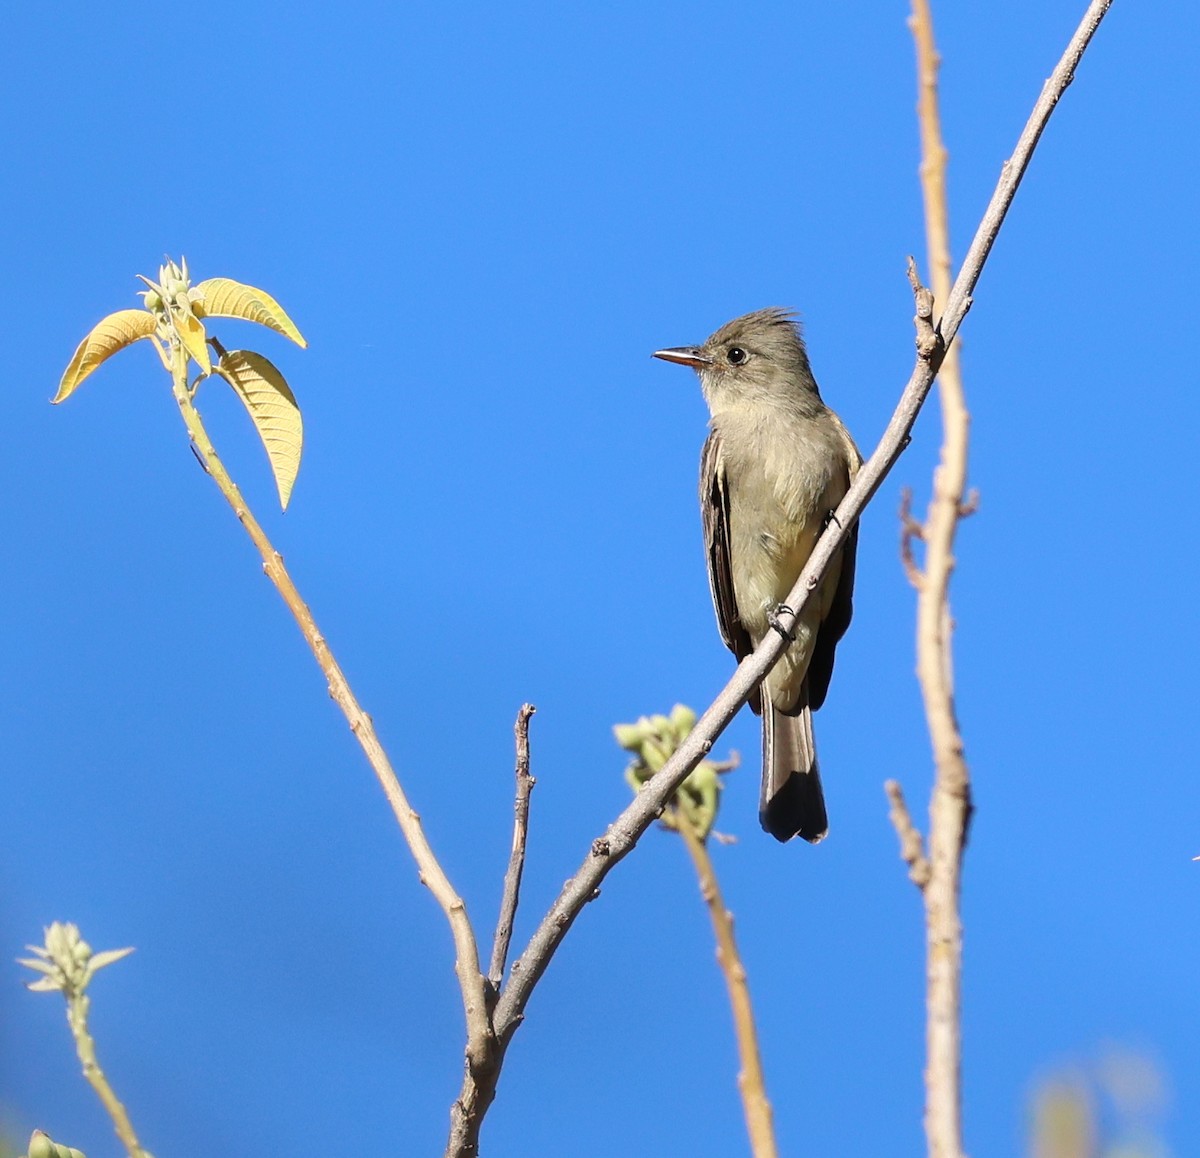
x=620 y=837
x=466 y=957
x=624 y=831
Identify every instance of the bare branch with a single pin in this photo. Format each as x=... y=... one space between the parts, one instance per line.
x=912 y=847
x=466 y=958
x=623 y=833
x=940 y=875
x=516 y=861
x=625 y=830
x=751 y=1084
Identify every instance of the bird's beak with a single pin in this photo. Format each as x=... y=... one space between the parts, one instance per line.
x=685 y=356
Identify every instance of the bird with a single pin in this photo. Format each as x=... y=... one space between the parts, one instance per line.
x=775 y=466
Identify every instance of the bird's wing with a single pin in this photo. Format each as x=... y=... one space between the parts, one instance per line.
x=841 y=607
x=714 y=512
x=833 y=626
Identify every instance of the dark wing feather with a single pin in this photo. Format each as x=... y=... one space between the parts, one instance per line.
x=833 y=627
x=714 y=513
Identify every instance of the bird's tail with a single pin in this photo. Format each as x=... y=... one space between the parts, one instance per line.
x=791 y=802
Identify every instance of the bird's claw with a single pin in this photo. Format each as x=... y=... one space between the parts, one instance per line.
x=774 y=623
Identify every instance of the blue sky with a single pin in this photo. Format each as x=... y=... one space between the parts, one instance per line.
x=484 y=220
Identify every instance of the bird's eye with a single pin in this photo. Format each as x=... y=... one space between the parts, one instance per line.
x=736 y=355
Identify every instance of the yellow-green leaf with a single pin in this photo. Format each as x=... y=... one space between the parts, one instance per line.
x=112 y=334
x=222 y=297
x=191 y=334
x=272 y=407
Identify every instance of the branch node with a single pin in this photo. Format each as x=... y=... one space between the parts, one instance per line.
x=928 y=339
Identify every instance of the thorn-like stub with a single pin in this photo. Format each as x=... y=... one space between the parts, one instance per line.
x=927 y=338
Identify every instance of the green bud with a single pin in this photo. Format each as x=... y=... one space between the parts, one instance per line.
x=655 y=754
x=629 y=736
x=636 y=775
x=40 y=1146
x=683 y=719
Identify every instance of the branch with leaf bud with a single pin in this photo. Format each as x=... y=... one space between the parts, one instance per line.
x=691 y=812
x=174 y=321
x=67 y=965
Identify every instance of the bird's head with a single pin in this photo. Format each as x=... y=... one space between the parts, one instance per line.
x=759 y=355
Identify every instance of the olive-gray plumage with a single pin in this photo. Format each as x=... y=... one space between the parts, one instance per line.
x=777 y=462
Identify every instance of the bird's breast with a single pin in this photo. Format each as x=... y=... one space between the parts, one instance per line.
x=784 y=473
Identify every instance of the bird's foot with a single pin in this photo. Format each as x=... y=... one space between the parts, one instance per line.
x=774 y=623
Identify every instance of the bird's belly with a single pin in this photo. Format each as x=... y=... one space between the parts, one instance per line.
x=769 y=546
x=767 y=555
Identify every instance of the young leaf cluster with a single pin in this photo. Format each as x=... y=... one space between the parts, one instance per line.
x=173 y=320
x=654 y=740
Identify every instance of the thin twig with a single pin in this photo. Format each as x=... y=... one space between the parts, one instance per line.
x=78 y=1005
x=912 y=847
x=620 y=837
x=910 y=530
x=722 y=767
x=751 y=1084
x=466 y=965
x=516 y=861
